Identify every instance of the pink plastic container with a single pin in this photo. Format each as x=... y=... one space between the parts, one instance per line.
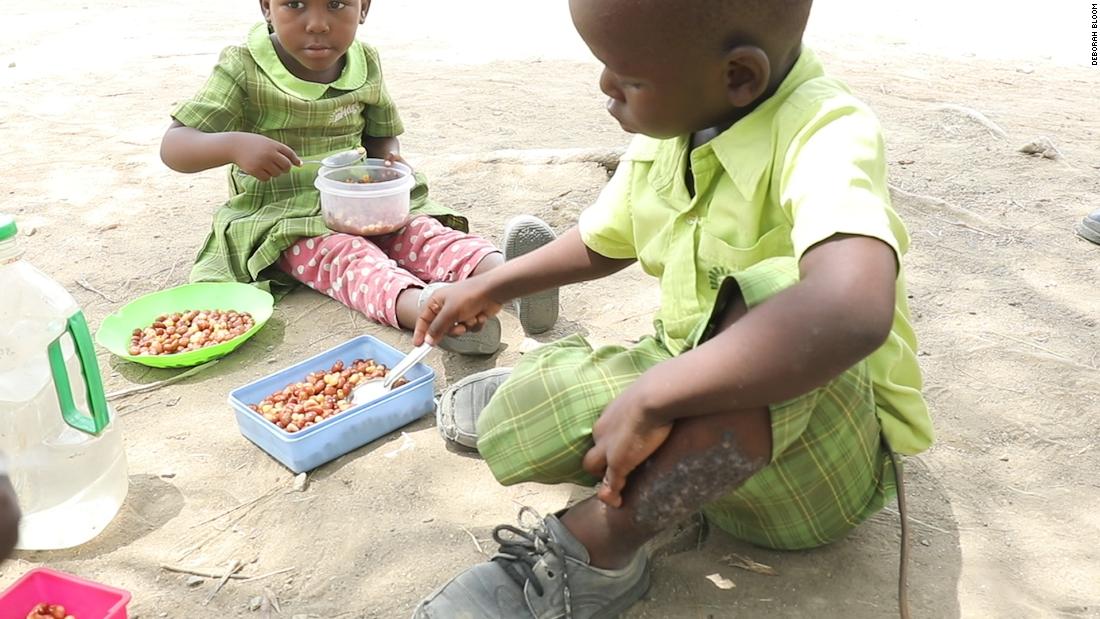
x=81 y=598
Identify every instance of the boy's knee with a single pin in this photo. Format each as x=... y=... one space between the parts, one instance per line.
x=522 y=439
x=9 y=517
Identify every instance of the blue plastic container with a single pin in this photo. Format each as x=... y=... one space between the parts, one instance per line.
x=342 y=433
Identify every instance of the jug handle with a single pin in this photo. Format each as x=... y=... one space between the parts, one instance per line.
x=93 y=383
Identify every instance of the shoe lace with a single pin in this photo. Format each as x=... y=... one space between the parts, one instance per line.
x=522 y=547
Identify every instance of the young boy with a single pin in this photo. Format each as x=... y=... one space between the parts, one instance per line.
x=782 y=371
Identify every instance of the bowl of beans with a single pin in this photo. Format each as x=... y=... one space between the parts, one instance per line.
x=368 y=199
x=302 y=416
x=186 y=325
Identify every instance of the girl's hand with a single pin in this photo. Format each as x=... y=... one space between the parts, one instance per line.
x=454 y=310
x=625 y=436
x=262 y=157
x=392 y=157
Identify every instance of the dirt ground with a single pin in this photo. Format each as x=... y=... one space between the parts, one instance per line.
x=1005 y=301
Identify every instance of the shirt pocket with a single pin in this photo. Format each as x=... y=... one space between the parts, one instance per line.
x=720 y=259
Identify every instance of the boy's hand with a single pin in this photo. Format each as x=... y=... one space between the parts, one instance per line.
x=9 y=517
x=454 y=310
x=261 y=157
x=625 y=436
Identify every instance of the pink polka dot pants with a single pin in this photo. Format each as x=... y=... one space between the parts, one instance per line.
x=368 y=274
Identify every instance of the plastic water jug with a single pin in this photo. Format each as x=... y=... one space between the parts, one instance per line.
x=61 y=440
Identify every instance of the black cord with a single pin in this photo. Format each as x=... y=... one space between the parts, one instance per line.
x=903 y=515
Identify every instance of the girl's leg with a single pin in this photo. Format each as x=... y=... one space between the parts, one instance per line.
x=435 y=253
x=355 y=272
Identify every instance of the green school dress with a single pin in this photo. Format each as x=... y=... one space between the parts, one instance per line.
x=250 y=90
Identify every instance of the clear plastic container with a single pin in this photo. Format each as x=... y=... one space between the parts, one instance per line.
x=368 y=199
x=61 y=440
x=343 y=433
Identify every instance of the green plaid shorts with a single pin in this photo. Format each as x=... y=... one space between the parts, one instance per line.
x=830 y=468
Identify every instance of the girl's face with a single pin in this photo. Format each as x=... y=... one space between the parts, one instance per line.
x=312 y=36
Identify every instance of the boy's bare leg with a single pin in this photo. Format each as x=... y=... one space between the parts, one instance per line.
x=704 y=458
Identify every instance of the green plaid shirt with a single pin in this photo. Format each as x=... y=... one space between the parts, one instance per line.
x=250 y=90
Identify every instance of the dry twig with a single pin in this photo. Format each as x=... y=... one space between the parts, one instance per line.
x=234 y=567
x=201 y=573
x=161 y=383
x=83 y=283
x=745 y=563
x=476 y=542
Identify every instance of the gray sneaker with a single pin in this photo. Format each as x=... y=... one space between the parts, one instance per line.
x=484 y=342
x=1090 y=227
x=524 y=234
x=541 y=572
x=462 y=403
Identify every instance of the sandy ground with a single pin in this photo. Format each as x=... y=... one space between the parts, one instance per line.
x=1004 y=297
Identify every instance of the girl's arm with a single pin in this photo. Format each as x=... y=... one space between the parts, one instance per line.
x=382 y=148
x=9 y=517
x=188 y=150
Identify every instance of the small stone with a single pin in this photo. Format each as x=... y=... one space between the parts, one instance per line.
x=427 y=520
x=273 y=360
x=255 y=603
x=1041 y=147
x=528 y=345
x=925 y=542
x=194 y=581
x=168 y=475
x=301 y=482
x=30 y=230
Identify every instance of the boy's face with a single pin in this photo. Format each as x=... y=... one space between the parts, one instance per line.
x=654 y=88
x=315 y=33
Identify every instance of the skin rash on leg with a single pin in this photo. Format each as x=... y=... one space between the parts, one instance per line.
x=694 y=480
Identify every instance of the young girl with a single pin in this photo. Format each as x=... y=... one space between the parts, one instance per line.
x=303 y=87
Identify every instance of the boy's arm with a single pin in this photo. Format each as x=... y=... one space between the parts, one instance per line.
x=839 y=313
x=566 y=260
x=185 y=149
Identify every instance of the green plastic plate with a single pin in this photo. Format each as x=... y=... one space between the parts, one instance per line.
x=114 y=334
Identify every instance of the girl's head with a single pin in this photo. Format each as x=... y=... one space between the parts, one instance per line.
x=312 y=36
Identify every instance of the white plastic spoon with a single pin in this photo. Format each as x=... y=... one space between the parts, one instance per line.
x=378 y=387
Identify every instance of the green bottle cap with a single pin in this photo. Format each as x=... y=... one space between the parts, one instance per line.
x=7 y=227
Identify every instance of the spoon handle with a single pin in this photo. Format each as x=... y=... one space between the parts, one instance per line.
x=403 y=366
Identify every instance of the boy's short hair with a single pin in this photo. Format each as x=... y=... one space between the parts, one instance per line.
x=765 y=23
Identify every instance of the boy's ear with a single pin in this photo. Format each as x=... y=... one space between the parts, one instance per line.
x=748 y=73
x=265 y=8
x=363 y=9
